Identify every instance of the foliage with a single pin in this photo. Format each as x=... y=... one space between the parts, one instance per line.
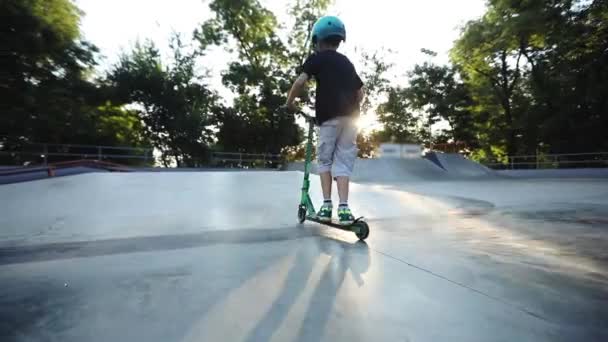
x=529 y=76
x=400 y=125
x=436 y=92
x=367 y=145
x=536 y=70
x=260 y=76
x=122 y=125
x=45 y=79
x=373 y=73
x=177 y=108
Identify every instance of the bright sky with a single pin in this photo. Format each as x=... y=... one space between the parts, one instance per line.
x=404 y=26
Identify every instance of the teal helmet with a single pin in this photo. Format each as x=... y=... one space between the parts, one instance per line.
x=328 y=26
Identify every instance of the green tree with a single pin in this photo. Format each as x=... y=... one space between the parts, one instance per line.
x=120 y=125
x=491 y=62
x=45 y=66
x=262 y=73
x=175 y=105
x=438 y=94
x=304 y=13
x=568 y=64
x=400 y=125
x=367 y=145
x=374 y=74
x=45 y=86
x=537 y=70
x=385 y=100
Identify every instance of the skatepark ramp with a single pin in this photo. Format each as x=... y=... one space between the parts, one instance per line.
x=396 y=170
x=457 y=165
x=385 y=170
x=30 y=173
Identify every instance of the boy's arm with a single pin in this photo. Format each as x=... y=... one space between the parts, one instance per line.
x=296 y=89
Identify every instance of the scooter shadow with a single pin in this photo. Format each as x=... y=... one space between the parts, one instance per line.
x=344 y=257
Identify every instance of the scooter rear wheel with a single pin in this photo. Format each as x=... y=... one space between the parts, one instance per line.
x=362 y=230
x=301 y=214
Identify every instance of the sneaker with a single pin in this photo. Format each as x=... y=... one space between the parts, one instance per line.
x=345 y=215
x=325 y=213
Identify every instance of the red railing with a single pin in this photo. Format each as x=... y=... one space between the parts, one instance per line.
x=51 y=168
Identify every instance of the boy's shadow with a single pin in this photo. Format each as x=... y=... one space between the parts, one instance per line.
x=344 y=256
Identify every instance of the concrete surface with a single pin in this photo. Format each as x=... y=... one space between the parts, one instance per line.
x=218 y=257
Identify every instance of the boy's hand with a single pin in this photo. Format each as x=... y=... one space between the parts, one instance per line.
x=291 y=107
x=296 y=90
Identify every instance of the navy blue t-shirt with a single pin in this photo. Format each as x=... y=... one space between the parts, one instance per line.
x=337 y=84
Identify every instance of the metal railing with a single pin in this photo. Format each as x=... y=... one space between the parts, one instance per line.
x=52 y=167
x=44 y=153
x=246 y=160
x=28 y=154
x=553 y=161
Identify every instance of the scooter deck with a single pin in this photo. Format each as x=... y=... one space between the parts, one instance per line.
x=335 y=224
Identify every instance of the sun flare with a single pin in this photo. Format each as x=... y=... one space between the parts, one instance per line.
x=367 y=122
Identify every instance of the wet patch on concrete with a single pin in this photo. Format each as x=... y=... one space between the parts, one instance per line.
x=83 y=249
x=468 y=207
x=588 y=214
x=456 y=205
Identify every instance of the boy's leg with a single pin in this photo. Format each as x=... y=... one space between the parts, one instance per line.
x=342 y=183
x=344 y=162
x=326 y=185
x=328 y=134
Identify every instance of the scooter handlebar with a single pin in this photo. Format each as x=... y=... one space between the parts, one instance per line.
x=307 y=117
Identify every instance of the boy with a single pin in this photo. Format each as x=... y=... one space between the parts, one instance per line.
x=339 y=94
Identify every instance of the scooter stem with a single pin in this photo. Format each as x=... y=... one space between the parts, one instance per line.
x=305 y=200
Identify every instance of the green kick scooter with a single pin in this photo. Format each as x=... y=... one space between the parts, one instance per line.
x=306 y=210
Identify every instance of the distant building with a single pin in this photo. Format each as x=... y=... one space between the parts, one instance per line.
x=403 y=151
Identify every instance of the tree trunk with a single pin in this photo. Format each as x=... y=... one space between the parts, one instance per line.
x=507 y=90
x=178 y=162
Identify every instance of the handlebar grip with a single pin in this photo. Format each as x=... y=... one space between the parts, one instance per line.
x=300 y=113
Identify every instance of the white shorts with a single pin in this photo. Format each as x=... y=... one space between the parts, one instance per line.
x=337 y=146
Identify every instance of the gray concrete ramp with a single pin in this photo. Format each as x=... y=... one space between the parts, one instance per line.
x=458 y=166
x=218 y=256
x=388 y=170
x=396 y=170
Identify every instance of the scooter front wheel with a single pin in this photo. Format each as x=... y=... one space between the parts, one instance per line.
x=301 y=214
